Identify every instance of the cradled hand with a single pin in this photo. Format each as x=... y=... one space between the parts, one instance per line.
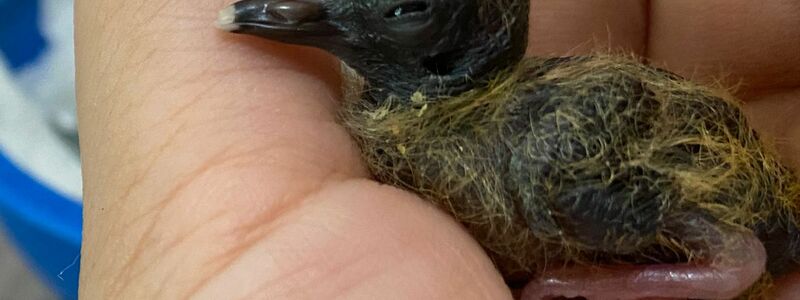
x=214 y=166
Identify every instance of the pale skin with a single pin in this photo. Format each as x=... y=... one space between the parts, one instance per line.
x=214 y=168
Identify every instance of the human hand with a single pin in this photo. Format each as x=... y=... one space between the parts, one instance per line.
x=214 y=167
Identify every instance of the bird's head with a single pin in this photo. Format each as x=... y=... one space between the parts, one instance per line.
x=439 y=47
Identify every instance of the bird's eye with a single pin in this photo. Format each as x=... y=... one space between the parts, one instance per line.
x=410 y=23
x=407 y=9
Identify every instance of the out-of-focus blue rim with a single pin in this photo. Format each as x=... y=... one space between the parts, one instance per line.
x=21 y=42
x=30 y=200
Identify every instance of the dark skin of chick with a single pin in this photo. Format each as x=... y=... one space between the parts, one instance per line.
x=576 y=160
x=261 y=78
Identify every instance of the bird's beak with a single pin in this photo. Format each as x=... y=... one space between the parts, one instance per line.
x=289 y=21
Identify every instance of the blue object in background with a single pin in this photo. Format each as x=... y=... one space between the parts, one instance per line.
x=21 y=40
x=44 y=225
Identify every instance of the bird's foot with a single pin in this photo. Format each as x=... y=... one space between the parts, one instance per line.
x=729 y=272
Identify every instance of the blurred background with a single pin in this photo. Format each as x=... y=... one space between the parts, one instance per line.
x=40 y=181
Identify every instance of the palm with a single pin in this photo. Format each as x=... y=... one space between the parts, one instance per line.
x=238 y=182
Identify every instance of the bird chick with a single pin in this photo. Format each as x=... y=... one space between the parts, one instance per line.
x=592 y=176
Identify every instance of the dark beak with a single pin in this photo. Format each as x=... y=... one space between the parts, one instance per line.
x=289 y=21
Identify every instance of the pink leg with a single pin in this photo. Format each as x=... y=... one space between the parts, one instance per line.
x=730 y=272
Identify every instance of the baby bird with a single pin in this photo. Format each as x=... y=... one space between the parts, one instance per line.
x=594 y=177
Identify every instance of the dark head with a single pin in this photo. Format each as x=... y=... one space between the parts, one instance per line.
x=440 y=47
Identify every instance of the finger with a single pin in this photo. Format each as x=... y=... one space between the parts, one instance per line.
x=202 y=151
x=579 y=27
x=755 y=42
x=164 y=98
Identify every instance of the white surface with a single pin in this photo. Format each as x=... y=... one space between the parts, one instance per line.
x=50 y=81
x=30 y=143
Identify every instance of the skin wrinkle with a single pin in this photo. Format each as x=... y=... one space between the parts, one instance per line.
x=299 y=269
x=216 y=266
x=142 y=65
x=155 y=154
x=200 y=78
x=151 y=17
x=186 y=235
x=161 y=290
x=353 y=261
x=98 y=58
x=194 y=100
x=192 y=96
x=307 y=268
x=138 y=180
x=162 y=253
x=163 y=206
x=148 y=59
x=279 y=209
x=142 y=14
x=103 y=93
x=249 y=235
x=199 y=95
x=222 y=261
x=133 y=69
x=226 y=259
x=124 y=278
